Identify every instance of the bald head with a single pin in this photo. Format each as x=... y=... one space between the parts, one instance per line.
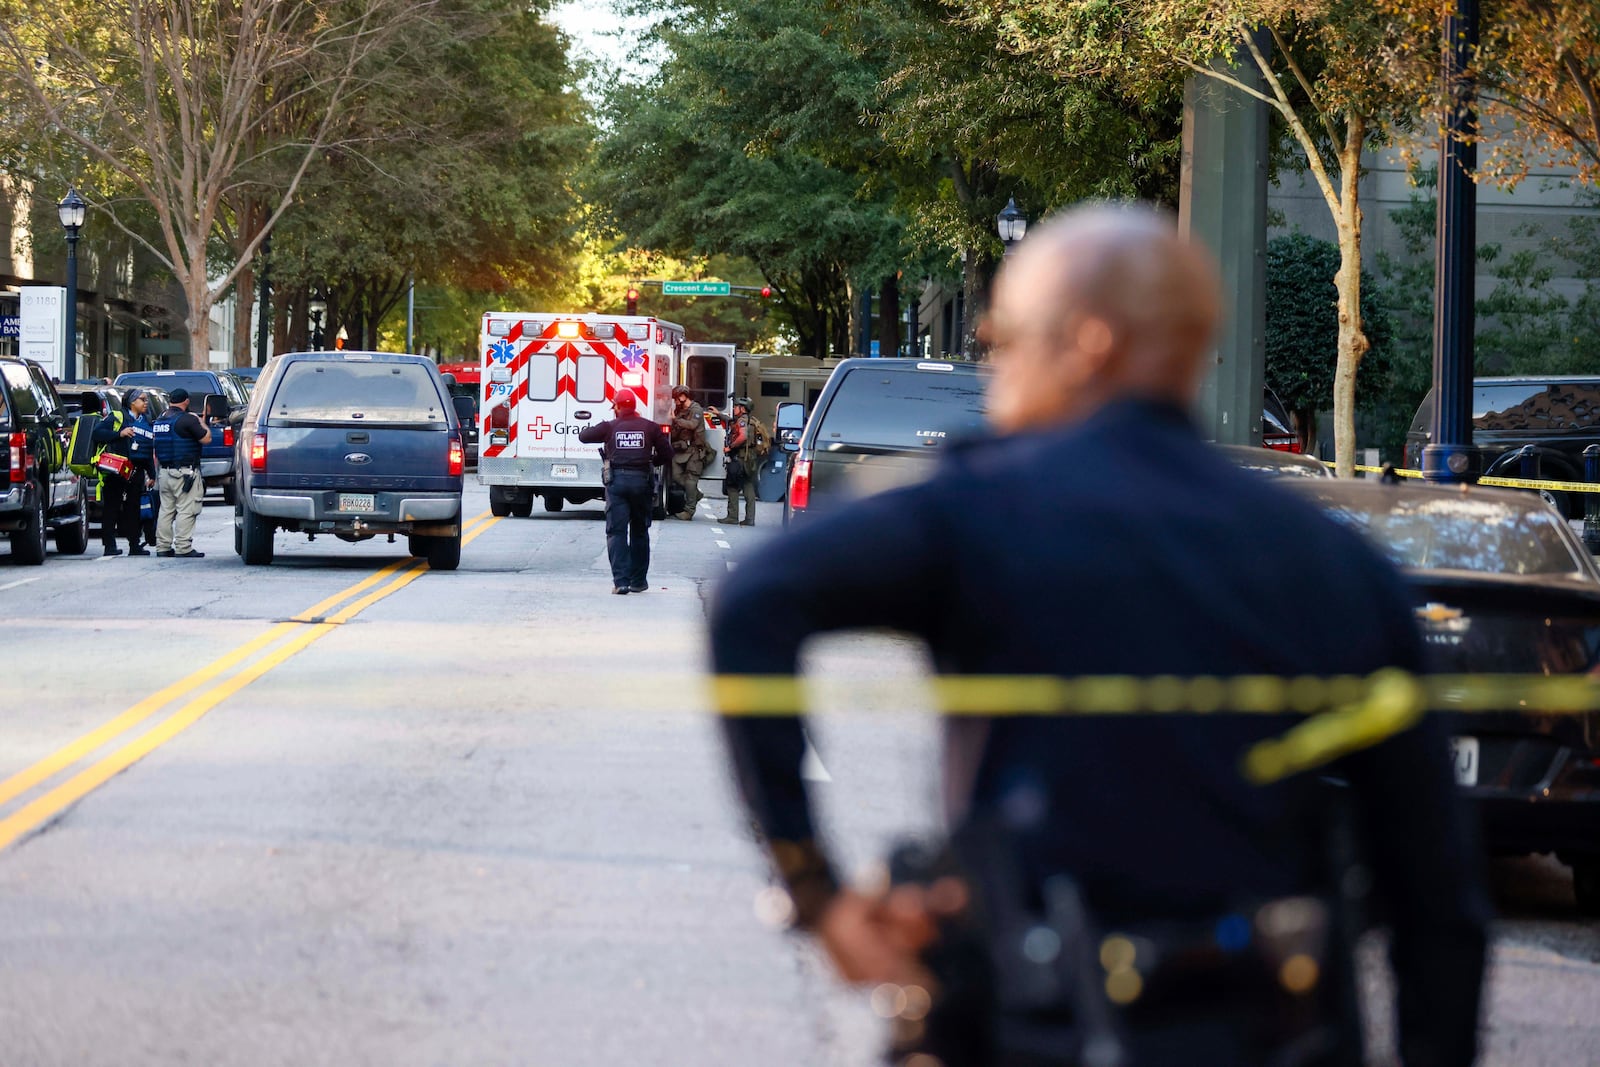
x=1099 y=304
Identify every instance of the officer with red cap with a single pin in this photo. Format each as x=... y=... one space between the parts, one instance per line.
x=632 y=446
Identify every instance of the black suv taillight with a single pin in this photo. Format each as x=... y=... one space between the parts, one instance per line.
x=18 y=443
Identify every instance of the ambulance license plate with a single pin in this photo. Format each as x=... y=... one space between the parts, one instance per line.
x=357 y=502
x=1465 y=751
x=564 y=470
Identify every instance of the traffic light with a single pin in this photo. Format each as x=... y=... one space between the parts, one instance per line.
x=766 y=292
x=633 y=300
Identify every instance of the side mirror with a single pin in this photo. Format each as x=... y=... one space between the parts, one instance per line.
x=790 y=424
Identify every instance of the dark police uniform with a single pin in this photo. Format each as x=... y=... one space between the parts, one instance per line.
x=1124 y=545
x=178 y=435
x=119 y=497
x=633 y=444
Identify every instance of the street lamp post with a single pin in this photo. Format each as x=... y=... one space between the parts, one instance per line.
x=71 y=211
x=1012 y=224
x=1449 y=455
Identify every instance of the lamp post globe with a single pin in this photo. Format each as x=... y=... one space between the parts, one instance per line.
x=71 y=211
x=1011 y=224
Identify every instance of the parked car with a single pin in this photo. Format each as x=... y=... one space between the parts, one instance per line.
x=1276 y=462
x=877 y=425
x=1501 y=586
x=1558 y=415
x=353 y=444
x=218 y=397
x=39 y=495
x=1277 y=428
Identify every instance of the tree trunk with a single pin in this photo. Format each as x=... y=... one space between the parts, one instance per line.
x=889 y=316
x=972 y=286
x=244 y=301
x=197 y=292
x=1353 y=342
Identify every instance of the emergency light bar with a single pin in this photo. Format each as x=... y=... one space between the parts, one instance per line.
x=569 y=329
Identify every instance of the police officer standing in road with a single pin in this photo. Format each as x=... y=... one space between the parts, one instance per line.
x=747 y=444
x=688 y=448
x=633 y=445
x=1097 y=534
x=178 y=437
x=126 y=433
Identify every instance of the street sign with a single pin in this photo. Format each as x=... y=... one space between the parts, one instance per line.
x=696 y=289
x=43 y=329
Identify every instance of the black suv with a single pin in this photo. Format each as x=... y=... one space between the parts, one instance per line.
x=1559 y=416
x=38 y=494
x=353 y=444
x=877 y=425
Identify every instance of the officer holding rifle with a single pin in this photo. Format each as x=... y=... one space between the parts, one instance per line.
x=1116 y=892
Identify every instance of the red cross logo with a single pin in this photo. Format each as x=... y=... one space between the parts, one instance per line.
x=539 y=428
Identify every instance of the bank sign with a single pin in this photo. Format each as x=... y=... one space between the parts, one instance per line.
x=42 y=328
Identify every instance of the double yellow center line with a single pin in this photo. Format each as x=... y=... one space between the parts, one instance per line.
x=205 y=688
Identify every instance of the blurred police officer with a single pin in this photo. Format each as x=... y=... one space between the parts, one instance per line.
x=1097 y=534
x=178 y=437
x=746 y=445
x=633 y=445
x=689 y=451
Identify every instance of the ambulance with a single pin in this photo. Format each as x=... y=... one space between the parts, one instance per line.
x=547 y=375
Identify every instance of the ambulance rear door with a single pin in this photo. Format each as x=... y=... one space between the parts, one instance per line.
x=708 y=375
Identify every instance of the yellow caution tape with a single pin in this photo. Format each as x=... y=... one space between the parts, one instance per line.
x=1343 y=714
x=1509 y=483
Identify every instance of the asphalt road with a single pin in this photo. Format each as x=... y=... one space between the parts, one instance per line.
x=467 y=818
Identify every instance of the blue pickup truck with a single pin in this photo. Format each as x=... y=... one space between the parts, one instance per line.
x=220 y=399
x=355 y=445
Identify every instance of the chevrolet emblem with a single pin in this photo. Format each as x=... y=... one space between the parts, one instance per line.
x=1433 y=612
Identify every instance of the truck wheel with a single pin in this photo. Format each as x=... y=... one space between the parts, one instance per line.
x=444 y=553
x=417 y=544
x=499 y=502
x=230 y=491
x=255 y=537
x=552 y=502
x=73 y=538
x=28 y=543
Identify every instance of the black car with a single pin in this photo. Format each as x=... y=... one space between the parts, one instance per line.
x=352 y=444
x=1276 y=462
x=39 y=495
x=1501 y=586
x=1558 y=415
x=878 y=424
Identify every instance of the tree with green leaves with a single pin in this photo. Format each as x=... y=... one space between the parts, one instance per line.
x=186 y=104
x=1303 y=328
x=463 y=177
x=1326 y=68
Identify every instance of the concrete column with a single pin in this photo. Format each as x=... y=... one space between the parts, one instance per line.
x=1222 y=203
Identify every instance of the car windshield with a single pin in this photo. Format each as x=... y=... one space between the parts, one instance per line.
x=1448 y=531
x=902 y=409
x=372 y=392
x=195 y=384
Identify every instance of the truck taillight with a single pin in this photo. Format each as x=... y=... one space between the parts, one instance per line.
x=258 y=450
x=800 y=485
x=19 y=457
x=458 y=454
x=227 y=436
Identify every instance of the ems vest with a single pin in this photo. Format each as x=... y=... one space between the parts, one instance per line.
x=174 y=449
